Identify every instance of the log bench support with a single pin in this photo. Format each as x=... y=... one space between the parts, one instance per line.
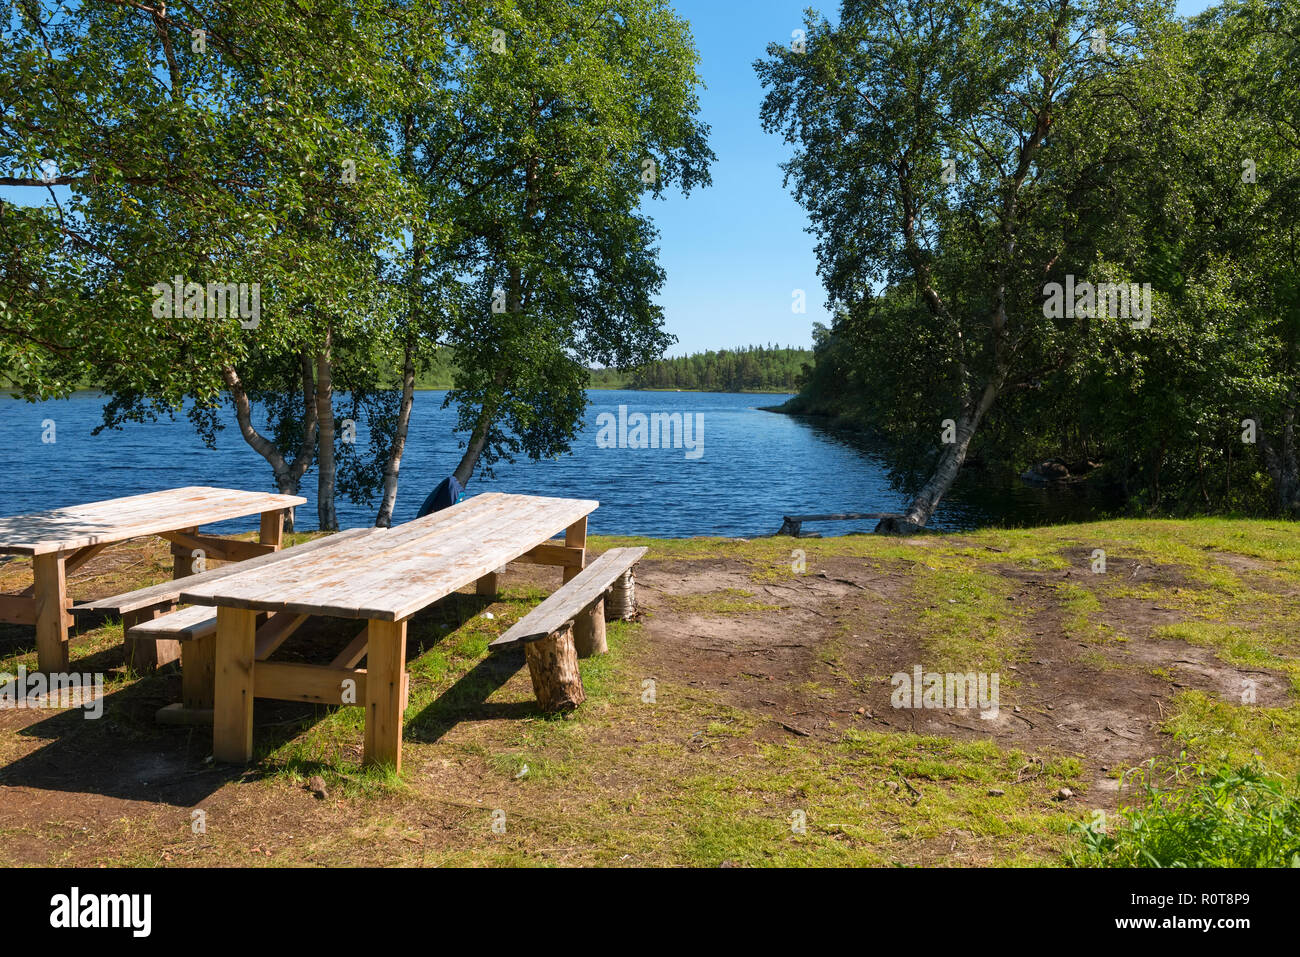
x=569 y=625
x=589 y=631
x=553 y=666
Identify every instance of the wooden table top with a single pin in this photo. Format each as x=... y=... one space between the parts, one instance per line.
x=391 y=575
x=133 y=516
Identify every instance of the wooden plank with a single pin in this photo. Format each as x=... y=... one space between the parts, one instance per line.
x=187 y=624
x=338 y=570
x=841 y=517
x=81 y=556
x=390 y=579
x=385 y=693
x=183 y=559
x=214 y=547
x=115 y=520
x=52 y=617
x=276 y=632
x=792 y=524
x=17 y=610
x=146 y=654
x=317 y=684
x=572 y=599
x=553 y=553
x=354 y=652
x=171 y=591
x=232 y=724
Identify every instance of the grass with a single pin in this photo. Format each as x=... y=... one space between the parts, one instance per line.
x=695 y=776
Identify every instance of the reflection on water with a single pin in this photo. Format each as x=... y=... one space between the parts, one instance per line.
x=753 y=468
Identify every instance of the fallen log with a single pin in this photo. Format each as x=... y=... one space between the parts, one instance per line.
x=793 y=523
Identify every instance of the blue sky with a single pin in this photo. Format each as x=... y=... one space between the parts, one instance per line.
x=735 y=252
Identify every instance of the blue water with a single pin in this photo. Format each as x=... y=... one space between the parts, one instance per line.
x=756 y=466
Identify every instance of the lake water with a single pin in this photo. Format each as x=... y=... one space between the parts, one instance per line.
x=754 y=467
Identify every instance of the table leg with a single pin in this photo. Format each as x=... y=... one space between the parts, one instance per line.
x=182 y=557
x=232 y=715
x=385 y=697
x=575 y=536
x=198 y=669
x=272 y=530
x=52 y=617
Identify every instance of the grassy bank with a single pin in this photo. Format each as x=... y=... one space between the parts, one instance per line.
x=745 y=717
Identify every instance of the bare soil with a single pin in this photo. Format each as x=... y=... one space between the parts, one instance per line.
x=803 y=657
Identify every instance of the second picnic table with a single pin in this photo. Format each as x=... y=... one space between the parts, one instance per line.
x=62 y=540
x=382 y=578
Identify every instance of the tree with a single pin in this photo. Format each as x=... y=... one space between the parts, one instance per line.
x=583 y=108
x=211 y=143
x=947 y=152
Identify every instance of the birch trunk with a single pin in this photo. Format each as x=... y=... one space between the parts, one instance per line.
x=325 y=465
x=945 y=472
x=394 y=464
x=474 y=448
x=288 y=475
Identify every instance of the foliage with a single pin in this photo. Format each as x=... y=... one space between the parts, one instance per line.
x=1225 y=818
x=1139 y=175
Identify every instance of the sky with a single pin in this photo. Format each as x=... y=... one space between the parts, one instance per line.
x=736 y=251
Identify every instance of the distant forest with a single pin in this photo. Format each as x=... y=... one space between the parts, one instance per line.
x=768 y=368
x=744 y=369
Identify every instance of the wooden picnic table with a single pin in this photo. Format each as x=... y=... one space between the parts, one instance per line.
x=383 y=579
x=62 y=540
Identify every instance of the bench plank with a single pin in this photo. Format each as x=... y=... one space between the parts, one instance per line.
x=572 y=599
x=187 y=624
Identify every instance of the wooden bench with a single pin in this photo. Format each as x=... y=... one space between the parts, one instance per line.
x=150 y=621
x=568 y=625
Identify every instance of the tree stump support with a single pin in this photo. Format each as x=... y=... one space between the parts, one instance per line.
x=589 y=631
x=553 y=666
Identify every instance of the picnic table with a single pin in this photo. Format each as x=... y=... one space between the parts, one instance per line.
x=62 y=540
x=381 y=578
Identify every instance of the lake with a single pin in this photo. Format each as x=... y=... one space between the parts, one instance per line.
x=748 y=469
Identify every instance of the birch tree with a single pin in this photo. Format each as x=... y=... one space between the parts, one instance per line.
x=951 y=149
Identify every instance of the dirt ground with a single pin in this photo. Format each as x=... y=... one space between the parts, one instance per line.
x=750 y=698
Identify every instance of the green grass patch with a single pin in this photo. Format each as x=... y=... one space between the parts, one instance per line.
x=1189 y=816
